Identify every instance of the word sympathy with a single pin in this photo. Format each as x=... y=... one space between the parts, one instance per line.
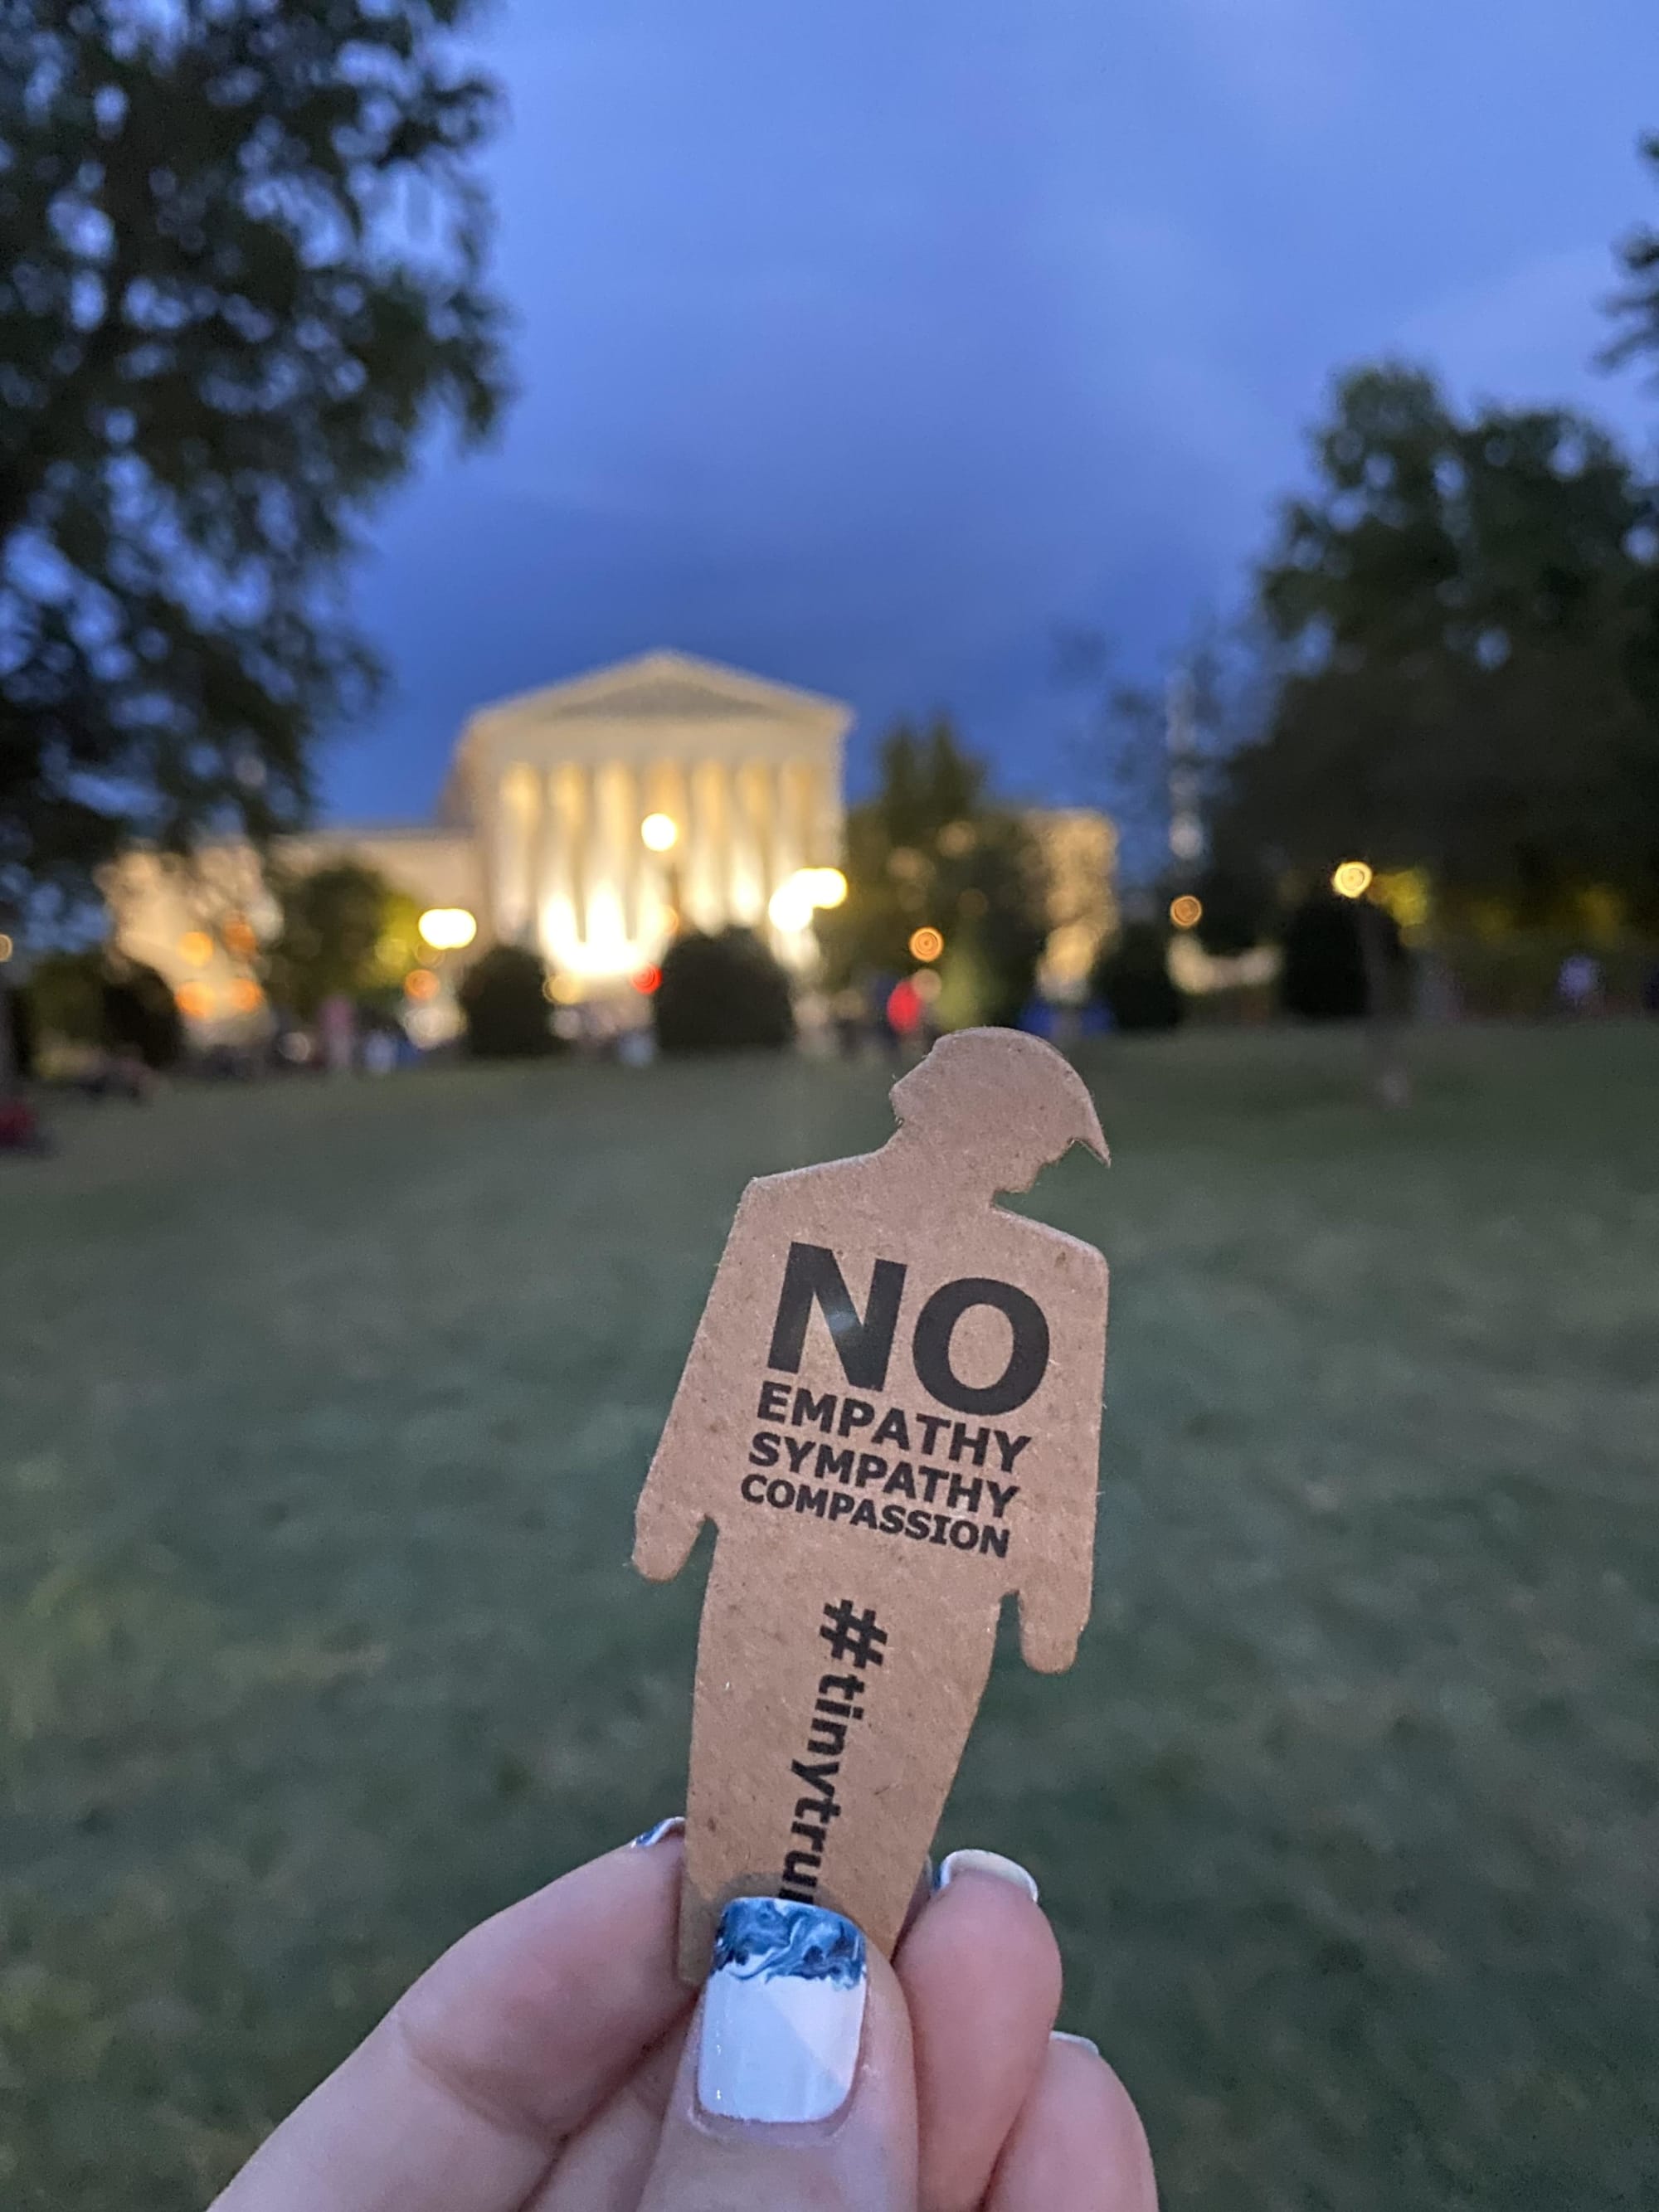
x=855 y=1639
x=829 y=1474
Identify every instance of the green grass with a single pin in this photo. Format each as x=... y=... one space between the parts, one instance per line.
x=324 y=1408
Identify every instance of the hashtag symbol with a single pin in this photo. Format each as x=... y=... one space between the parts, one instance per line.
x=852 y=1635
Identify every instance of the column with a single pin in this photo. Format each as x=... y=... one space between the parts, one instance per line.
x=537 y=831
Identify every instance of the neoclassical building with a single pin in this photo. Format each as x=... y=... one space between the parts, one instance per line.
x=588 y=820
x=584 y=820
x=666 y=789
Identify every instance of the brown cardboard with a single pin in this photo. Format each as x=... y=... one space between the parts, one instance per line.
x=885 y=1462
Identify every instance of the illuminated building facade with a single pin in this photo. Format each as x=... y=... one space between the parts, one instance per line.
x=588 y=821
x=664 y=791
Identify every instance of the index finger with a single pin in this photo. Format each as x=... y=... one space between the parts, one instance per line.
x=460 y=2098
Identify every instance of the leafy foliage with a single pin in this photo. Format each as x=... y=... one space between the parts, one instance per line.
x=345 y=930
x=1470 y=609
x=929 y=850
x=1637 y=308
x=243 y=283
x=722 y=994
x=503 y=1000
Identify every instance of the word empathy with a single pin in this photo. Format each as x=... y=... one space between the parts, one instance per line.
x=855 y=1639
x=827 y=1479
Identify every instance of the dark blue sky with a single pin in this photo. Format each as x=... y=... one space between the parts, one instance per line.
x=866 y=346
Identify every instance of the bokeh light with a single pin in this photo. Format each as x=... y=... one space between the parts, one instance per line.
x=421 y=984
x=195 y=946
x=244 y=995
x=790 y=906
x=1353 y=879
x=828 y=886
x=647 y=982
x=926 y=983
x=1186 y=912
x=448 y=928
x=661 y=832
x=194 y=1000
x=926 y=944
x=6 y=948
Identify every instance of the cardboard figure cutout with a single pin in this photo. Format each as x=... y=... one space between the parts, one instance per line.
x=891 y=1411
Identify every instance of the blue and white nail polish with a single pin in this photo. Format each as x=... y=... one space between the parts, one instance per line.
x=674 y=1825
x=782 y=2012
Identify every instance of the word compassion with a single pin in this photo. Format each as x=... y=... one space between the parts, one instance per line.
x=855 y=1639
x=828 y=1478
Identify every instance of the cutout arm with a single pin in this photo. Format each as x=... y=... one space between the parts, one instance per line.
x=672 y=1509
x=1054 y=1607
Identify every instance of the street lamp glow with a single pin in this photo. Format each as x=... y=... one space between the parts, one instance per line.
x=790 y=906
x=448 y=928
x=659 y=832
x=828 y=886
x=1353 y=879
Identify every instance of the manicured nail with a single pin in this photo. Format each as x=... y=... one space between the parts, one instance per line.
x=1082 y=2042
x=674 y=1825
x=991 y=1863
x=782 y=2012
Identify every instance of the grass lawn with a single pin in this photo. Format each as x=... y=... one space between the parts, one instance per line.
x=324 y=1410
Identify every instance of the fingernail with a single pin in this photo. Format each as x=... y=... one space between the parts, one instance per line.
x=1082 y=2042
x=674 y=1825
x=991 y=1863
x=783 y=2012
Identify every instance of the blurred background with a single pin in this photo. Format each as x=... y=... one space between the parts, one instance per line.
x=576 y=584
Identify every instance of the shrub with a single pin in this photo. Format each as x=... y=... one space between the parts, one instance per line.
x=140 y=1014
x=721 y=994
x=503 y=1001
x=1133 y=978
x=1323 y=977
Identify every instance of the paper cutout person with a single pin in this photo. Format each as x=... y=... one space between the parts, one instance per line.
x=891 y=1411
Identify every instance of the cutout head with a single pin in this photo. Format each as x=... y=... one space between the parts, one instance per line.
x=998 y=1106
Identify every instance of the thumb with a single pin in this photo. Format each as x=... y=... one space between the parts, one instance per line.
x=796 y=2089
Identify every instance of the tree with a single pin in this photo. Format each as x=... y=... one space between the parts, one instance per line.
x=1468 y=610
x=344 y=931
x=1637 y=308
x=243 y=283
x=930 y=851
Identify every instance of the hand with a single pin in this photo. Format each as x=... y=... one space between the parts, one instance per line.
x=551 y=2062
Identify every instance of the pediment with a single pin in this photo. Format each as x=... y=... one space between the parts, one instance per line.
x=669 y=687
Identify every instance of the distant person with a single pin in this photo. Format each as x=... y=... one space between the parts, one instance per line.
x=906 y=1015
x=336 y=1020
x=850 y=1019
x=380 y=1053
x=1578 y=986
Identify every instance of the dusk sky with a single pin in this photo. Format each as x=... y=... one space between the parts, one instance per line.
x=869 y=347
